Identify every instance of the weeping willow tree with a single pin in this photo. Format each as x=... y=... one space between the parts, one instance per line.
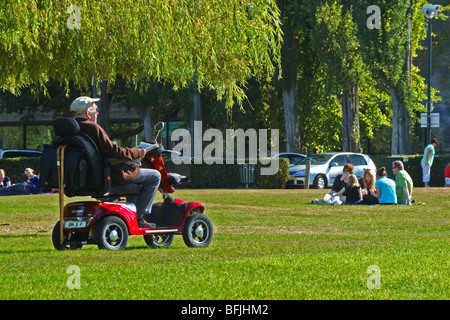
x=222 y=43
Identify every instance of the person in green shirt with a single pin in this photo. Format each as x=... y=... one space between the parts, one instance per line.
x=427 y=161
x=403 y=183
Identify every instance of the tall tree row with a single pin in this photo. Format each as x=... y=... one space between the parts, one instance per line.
x=361 y=50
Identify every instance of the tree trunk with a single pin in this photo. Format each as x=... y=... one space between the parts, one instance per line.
x=291 y=118
x=148 y=129
x=290 y=93
x=400 y=139
x=350 y=120
x=401 y=119
x=196 y=113
x=103 y=105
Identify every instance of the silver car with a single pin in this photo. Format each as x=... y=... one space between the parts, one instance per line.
x=326 y=166
x=291 y=156
x=16 y=153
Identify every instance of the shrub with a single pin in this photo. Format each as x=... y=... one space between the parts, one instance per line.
x=276 y=181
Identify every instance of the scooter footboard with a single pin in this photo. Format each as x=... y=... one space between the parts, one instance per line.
x=166 y=214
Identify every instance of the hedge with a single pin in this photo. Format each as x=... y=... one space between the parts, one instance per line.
x=15 y=167
x=228 y=175
x=414 y=168
x=202 y=175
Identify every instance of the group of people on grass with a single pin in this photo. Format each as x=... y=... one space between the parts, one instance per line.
x=379 y=189
x=31 y=186
x=371 y=189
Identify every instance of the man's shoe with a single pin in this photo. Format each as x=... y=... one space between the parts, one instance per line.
x=144 y=224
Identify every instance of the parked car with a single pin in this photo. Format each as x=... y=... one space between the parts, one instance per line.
x=16 y=153
x=293 y=158
x=326 y=166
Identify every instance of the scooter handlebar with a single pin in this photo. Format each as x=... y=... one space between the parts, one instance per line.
x=148 y=146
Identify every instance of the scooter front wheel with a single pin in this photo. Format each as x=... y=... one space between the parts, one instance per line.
x=158 y=240
x=198 y=231
x=111 y=233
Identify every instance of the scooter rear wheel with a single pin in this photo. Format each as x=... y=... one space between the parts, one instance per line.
x=158 y=240
x=111 y=233
x=198 y=231
x=56 y=239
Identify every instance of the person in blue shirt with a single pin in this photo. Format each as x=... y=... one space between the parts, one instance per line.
x=29 y=187
x=385 y=188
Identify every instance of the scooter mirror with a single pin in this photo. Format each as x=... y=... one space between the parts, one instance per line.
x=158 y=128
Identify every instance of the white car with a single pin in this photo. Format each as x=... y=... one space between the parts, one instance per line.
x=326 y=166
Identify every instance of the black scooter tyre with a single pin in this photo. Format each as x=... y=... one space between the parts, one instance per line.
x=111 y=233
x=158 y=240
x=198 y=231
x=56 y=239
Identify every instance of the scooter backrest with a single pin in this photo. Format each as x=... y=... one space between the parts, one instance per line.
x=85 y=171
x=66 y=127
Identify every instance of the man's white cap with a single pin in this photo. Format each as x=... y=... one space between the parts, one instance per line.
x=82 y=103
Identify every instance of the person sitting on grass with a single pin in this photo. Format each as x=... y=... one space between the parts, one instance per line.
x=339 y=184
x=4 y=180
x=352 y=193
x=29 y=187
x=385 y=188
x=31 y=176
x=403 y=183
x=367 y=183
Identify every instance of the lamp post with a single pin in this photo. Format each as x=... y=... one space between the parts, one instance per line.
x=429 y=11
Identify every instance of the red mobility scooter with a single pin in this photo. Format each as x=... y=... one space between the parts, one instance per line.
x=74 y=165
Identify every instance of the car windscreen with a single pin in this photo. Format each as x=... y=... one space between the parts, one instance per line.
x=17 y=154
x=315 y=159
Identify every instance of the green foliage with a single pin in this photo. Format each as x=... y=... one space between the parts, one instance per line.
x=336 y=40
x=371 y=114
x=222 y=43
x=276 y=181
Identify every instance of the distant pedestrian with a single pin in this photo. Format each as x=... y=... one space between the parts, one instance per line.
x=403 y=183
x=447 y=175
x=427 y=161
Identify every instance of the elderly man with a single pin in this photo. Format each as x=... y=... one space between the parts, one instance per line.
x=403 y=183
x=86 y=112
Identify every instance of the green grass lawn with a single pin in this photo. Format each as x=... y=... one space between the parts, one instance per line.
x=268 y=244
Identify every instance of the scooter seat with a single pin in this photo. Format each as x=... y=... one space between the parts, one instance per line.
x=124 y=189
